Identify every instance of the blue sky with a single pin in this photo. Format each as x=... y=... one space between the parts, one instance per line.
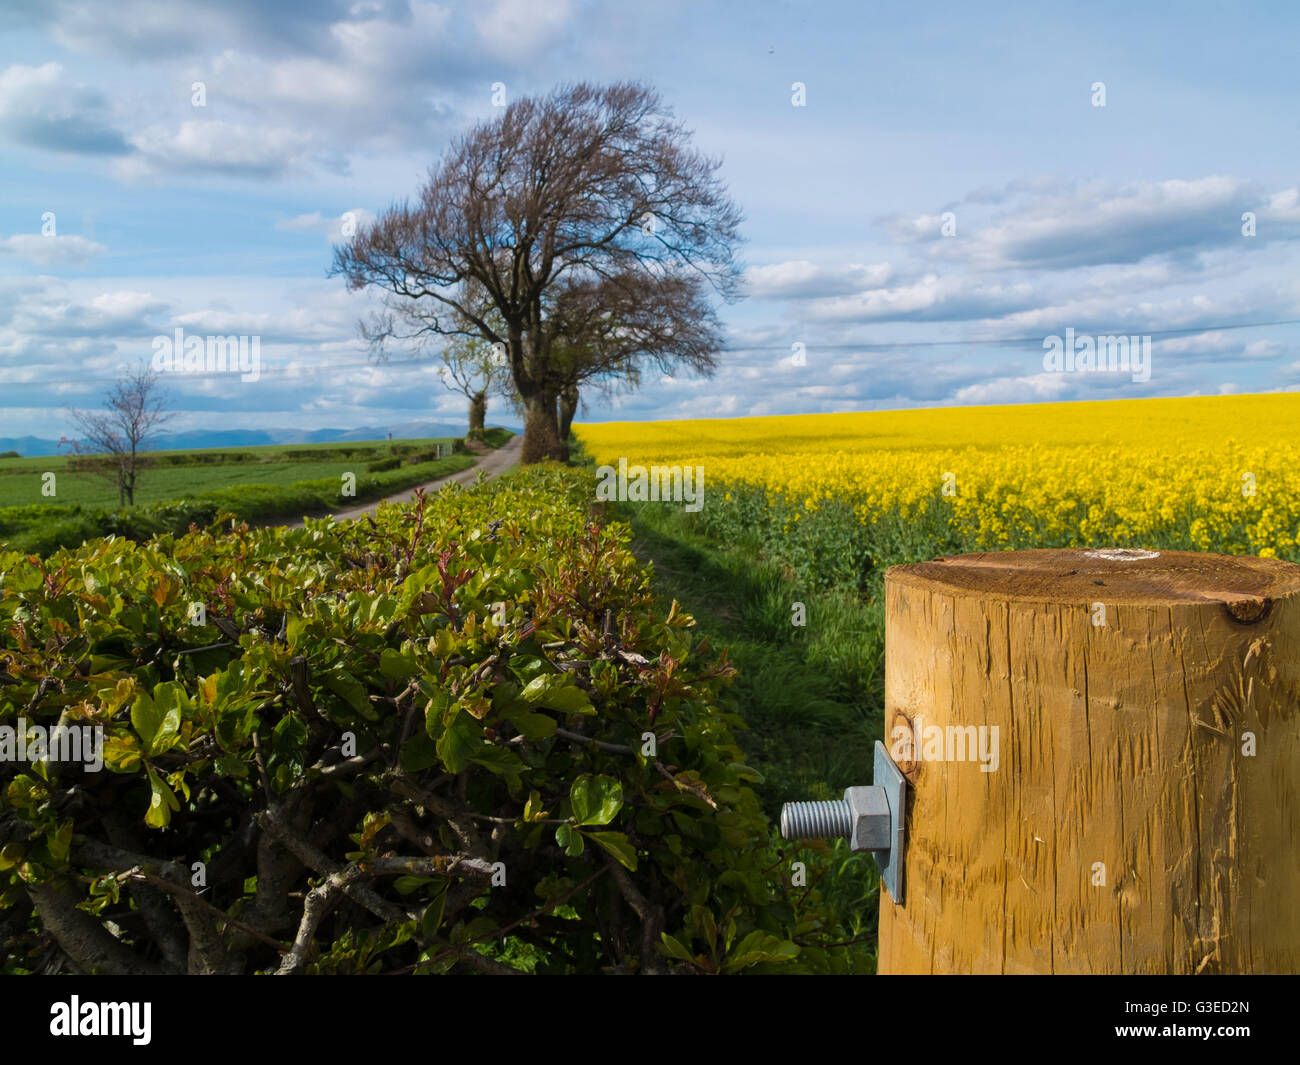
x=218 y=219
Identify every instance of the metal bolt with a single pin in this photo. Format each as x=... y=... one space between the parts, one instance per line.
x=871 y=818
x=816 y=820
x=861 y=817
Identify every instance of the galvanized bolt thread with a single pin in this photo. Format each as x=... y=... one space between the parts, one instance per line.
x=816 y=820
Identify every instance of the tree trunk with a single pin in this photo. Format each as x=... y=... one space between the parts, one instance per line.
x=568 y=408
x=541 y=436
x=477 y=411
x=1140 y=813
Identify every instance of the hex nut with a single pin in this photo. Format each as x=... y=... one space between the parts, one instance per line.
x=869 y=815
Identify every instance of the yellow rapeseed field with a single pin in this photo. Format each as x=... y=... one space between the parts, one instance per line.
x=1217 y=473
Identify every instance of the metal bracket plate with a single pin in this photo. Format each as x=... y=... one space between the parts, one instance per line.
x=886 y=775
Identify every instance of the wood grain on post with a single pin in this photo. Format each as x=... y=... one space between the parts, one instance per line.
x=1137 y=809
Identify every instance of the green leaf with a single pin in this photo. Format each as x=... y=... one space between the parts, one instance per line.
x=440 y=702
x=595 y=800
x=169 y=699
x=289 y=734
x=121 y=754
x=59 y=842
x=618 y=845
x=570 y=839
x=535 y=727
x=533 y=807
x=568 y=699
x=758 y=947
x=351 y=691
x=413 y=586
x=526 y=667
x=396 y=665
x=146 y=718
x=459 y=742
x=676 y=949
x=499 y=760
x=703 y=921
x=432 y=919
x=419 y=752
x=161 y=802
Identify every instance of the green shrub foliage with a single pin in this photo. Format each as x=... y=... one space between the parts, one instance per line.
x=455 y=737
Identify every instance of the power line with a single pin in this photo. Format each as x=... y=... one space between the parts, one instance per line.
x=994 y=341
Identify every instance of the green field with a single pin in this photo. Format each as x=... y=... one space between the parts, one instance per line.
x=181 y=474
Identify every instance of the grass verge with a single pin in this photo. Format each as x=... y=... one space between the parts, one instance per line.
x=812 y=695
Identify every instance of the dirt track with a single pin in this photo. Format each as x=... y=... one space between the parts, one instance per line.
x=491 y=463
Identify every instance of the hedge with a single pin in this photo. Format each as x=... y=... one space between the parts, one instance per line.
x=456 y=737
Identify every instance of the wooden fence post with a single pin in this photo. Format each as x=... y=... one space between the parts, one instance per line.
x=1103 y=749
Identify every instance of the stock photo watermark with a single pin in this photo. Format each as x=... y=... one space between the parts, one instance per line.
x=77 y=1018
x=62 y=743
x=637 y=484
x=193 y=354
x=1083 y=353
x=950 y=743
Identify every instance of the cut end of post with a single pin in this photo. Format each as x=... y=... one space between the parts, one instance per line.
x=1246 y=585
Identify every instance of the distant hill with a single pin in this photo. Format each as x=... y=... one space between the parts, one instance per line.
x=229 y=438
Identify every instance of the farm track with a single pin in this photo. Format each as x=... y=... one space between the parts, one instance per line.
x=491 y=463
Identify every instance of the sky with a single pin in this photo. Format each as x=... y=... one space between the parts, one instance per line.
x=930 y=193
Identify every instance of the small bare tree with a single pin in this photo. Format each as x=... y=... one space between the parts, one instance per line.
x=470 y=364
x=134 y=411
x=476 y=369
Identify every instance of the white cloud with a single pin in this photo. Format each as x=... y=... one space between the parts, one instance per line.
x=1218 y=345
x=217 y=147
x=932 y=298
x=1051 y=226
x=52 y=250
x=1283 y=206
x=801 y=279
x=41 y=108
x=1099 y=224
x=138 y=27
x=64 y=311
x=1040 y=388
x=371 y=81
x=515 y=29
x=293 y=325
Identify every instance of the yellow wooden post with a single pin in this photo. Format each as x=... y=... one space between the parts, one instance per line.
x=1103 y=749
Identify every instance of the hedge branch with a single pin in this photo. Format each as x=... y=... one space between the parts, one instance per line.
x=652 y=918
x=314 y=909
x=83 y=939
x=326 y=867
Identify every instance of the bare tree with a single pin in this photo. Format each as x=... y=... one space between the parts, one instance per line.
x=134 y=411
x=585 y=186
